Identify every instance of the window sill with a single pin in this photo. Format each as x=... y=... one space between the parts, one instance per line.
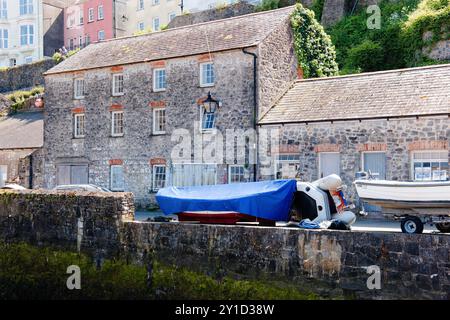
x=117 y=136
x=208 y=131
x=158 y=90
x=78 y=138
x=160 y=133
x=78 y=98
x=206 y=85
x=118 y=94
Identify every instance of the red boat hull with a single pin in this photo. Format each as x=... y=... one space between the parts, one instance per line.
x=221 y=218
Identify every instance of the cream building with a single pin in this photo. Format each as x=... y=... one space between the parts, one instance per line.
x=146 y=15
x=21 y=32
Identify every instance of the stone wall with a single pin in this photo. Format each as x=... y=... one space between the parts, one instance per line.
x=92 y=221
x=438 y=51
x=18 y=164
x=31 y=170
x=237 y=9
x=331 y=263
x=275 y=76
x=24 y=76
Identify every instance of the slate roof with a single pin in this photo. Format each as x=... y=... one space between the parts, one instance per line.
x=219 y=35
x=22 y=130
x=396 y=93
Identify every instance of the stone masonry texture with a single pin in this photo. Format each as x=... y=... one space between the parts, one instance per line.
x=330 y=263
x=25 y=76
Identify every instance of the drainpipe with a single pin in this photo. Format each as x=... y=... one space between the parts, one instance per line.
x=30 y=178
x=114 y=18
x=255 y=110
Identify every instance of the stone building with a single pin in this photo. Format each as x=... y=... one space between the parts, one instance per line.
x=113 y=109
x=393 y=123
x=21 y=142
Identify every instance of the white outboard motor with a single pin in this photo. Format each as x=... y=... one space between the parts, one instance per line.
x=324 y=200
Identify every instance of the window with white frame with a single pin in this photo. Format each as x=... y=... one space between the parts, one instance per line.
x=117 y=84
x=159 y=79
x=100 y=15
x=430 y=165
x=117 y=178
x=80 y=42
x=159 y=177
x=172 y=16
x=155 y=2
x=236 y=173
x=140 y=5
x=207 y=74
x=101 y=35
x=288 y=165
x=71 y=44
x=26 y=7
x=90 y=14
x=80 y=18
x=159 y=121
x=26 y=35
x=78 y=86
x=156 y=24
x=207 y=119
x=3 y=38
x=87 y=40
x=78 y=125
x=117 y=123
x=29 y=59
x=141 y=26
x=71 y=21
x=3 y=9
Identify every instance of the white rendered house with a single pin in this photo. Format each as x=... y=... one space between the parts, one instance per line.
x=21 y=32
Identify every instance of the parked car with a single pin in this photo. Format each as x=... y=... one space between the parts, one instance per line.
x=81 y=187
x=13 y=186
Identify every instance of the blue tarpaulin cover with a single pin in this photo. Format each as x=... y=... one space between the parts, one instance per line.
x=266 y=199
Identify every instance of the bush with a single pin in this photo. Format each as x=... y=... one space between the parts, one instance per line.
x=58 y=57
x=315 y=51
x=365 y=57
x=19 y=98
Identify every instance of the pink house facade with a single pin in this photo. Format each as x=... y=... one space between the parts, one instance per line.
x=87 y=22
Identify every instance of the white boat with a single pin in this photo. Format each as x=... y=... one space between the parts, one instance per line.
x=414 y=203
x=396 y=194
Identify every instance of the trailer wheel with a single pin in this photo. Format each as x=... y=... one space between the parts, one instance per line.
x=411 y=225
x=443 y=227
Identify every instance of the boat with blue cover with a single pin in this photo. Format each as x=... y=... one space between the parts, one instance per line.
x=264 y=202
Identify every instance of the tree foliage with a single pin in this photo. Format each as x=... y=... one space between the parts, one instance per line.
x=403 y=24
x=315 y=51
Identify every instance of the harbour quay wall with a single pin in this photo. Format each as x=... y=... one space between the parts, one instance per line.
x=331 y=263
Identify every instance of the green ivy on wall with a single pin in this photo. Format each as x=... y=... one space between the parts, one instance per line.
x=315 y=51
